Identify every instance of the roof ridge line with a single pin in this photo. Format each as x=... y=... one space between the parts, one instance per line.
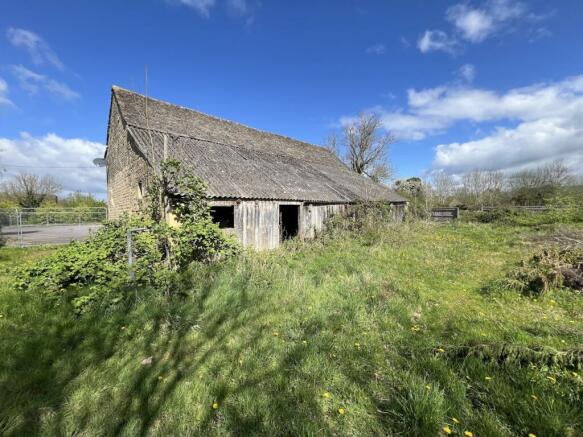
x=115 y=87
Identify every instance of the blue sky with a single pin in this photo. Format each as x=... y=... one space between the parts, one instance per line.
x=474 y=84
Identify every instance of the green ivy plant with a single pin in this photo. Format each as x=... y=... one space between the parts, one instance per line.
x=97 y=269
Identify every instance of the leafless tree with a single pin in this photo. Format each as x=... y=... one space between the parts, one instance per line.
x=30 y=190
x=555 y=174
x=332 y=144
x=365 y=144
x=537 y=184
x=481 y=187
x=443 y=187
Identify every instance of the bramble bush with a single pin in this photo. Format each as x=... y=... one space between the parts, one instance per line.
x=562 y=208
x=97 y=269
x=549 y=268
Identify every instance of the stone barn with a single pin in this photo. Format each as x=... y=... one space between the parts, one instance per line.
x=261 y=186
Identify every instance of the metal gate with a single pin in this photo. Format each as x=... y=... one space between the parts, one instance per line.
x=23 y=227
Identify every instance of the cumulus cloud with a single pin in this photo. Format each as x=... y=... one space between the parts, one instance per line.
x=532 y=125
x=377 y=49
x=4 y=100
x=38 y=49
x=474 y=23
x=64 y=155
x=436 y=40
x=32 y=82
x=530 y=144
x=203 y=7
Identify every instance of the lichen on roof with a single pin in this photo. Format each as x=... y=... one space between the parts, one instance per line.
x=237 y=161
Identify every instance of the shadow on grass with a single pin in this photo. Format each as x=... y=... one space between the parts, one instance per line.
x=47 y=352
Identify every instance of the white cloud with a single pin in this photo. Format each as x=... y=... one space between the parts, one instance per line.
x=530 y=144
x=32 y=82
x=65 y=155
x=377 y=49
x=436 y=40
x=532 y=125
x=203 y=7
x=40 y=52
x=4 y=100
x=475 y=23
x=467 y=72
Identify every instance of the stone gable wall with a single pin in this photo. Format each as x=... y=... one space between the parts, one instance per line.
x=127 y=169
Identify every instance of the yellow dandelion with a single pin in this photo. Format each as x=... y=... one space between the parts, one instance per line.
x=531 y=435
x=326 y=395
x=428 y=387
x=553 y=301
x=455 y=420
x=357 y=344
x=341 y=411
x=215 y=406
x=447 y=430
x=468 y=433
x=440 y=349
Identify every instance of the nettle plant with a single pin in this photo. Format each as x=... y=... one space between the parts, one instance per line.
x=97 y=269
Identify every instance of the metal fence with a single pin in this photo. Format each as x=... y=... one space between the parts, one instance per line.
x=37 y=226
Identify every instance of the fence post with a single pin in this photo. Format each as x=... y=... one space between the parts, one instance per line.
x=19 y=228
x=130 y=248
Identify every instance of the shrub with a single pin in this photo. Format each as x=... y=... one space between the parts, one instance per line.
x=98 y=268
x=562 y=208
x=550 y=268
x=367 y=219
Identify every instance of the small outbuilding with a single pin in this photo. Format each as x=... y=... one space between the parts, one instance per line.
x=261 y=186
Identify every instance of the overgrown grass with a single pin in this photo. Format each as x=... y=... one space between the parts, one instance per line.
x=383 y=333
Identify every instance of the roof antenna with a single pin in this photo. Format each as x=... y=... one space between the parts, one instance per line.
x=148 y=119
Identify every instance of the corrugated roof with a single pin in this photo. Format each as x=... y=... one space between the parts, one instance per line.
x=236 y=161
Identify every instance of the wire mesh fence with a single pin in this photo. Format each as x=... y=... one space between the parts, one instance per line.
x=30 y=227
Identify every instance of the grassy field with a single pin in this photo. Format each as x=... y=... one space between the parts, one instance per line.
x=398 y=332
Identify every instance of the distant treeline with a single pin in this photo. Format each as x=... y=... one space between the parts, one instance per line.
x=27 y=190
x=548 y=185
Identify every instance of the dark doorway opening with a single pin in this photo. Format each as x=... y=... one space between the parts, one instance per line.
x=289 y=221
x=224 y=216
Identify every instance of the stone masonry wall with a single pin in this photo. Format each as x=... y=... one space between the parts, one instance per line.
x=127 y=169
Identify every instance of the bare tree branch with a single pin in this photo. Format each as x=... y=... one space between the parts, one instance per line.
x=365 y=147
x=30 y=190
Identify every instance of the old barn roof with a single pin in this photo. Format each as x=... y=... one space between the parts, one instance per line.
x=236 y=161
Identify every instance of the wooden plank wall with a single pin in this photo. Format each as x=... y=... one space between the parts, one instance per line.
x=315 y=217
x=257 y=221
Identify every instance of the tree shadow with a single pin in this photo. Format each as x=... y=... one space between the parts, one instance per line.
x=43 y=366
